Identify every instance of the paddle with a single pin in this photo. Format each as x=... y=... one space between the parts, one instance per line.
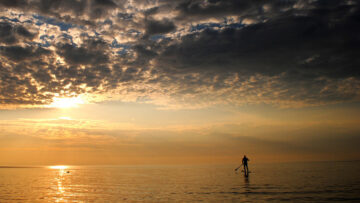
x=238 y=167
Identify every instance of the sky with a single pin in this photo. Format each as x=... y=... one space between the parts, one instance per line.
x=178 y=81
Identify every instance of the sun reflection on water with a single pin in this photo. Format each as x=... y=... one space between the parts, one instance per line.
x=60 y=180
x=59 y=167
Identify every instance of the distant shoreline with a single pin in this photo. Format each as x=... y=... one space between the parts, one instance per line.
x=176 y=165
x=20 y=167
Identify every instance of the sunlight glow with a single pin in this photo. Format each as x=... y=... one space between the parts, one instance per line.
x=65 y=118
x=59 y=167
x=69 y=102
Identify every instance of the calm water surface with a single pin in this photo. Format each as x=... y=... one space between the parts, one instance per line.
x=297 y=182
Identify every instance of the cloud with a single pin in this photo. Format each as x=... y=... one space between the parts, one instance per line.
x=216 y=8
x=270 y=48
x=90 y=52
x=303 y=55
x=11 y=34
x=98 y=6
x=14 y=3
x=18 y=53
x=182 y=53
x=158 y=27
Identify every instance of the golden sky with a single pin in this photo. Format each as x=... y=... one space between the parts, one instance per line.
x=131 y=133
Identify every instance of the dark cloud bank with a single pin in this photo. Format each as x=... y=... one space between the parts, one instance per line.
x=301 y=52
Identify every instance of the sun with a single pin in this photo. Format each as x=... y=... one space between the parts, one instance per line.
x=66 y=102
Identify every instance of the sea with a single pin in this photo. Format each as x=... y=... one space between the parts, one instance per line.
x=269 y=182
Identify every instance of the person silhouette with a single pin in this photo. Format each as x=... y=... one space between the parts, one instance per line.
x=245 y=164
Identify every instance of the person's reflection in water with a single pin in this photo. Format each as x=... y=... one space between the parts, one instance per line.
x=246 y=181
x=247 y=185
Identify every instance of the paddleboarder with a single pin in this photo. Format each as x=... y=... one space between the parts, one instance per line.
x=245 y=164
